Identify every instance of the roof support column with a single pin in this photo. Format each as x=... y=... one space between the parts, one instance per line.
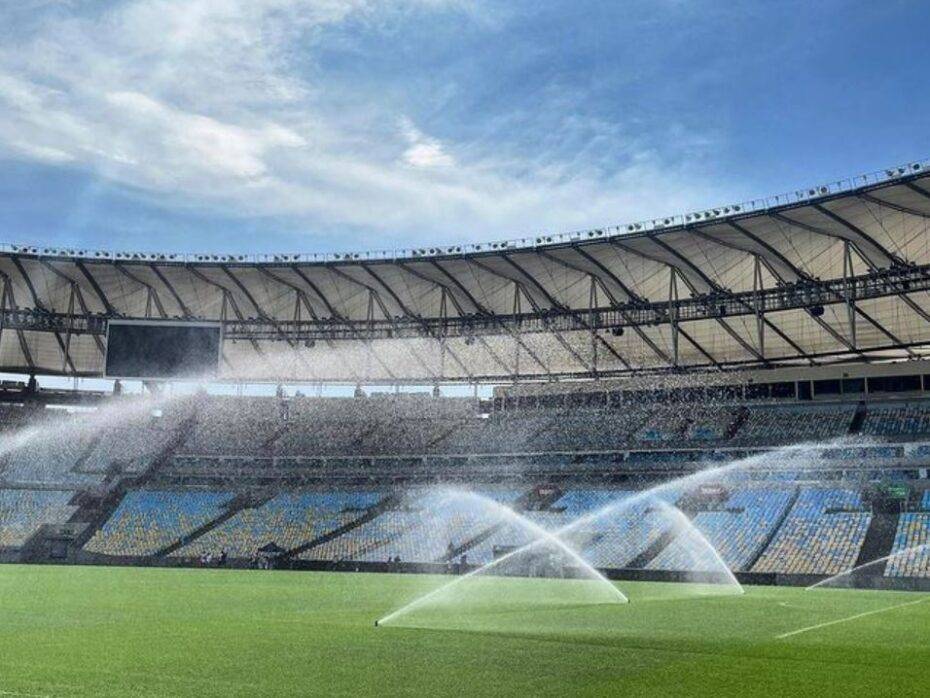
x=6 y=281
x=849 y=292
x=516 y=333
x=8 y=300
x=757 y=288
x=673 y=312
x=592 y=304
x=67 y=348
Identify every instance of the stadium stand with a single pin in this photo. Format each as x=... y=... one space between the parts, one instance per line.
x=147 y=521
x=288 y=520
x=585 y=429
x=709 y=426
x=22 y=512
x=898 y=422
x=51 y=456
x=591 y=405
x=912 y=536
x=235 y=427
x=134 y=446
x=422 y=528
x=744 y=523
x=782 y=425
x=822 y=534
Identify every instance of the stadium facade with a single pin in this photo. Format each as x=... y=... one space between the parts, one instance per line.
x=830 y=274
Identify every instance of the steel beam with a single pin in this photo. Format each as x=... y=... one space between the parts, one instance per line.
x=492 y=318
x=185 y=311
x=153 y=293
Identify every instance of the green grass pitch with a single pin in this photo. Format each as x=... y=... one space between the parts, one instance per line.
x=69 y=631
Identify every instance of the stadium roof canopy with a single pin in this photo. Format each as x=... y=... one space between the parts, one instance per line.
x=839 y=272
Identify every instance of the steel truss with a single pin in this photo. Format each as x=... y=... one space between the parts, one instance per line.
x=804 y=293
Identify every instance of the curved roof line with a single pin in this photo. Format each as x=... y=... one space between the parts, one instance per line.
x=859 y=184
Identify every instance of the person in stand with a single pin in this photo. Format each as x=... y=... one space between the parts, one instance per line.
x=117 y=387
x=224 y=555
x=463 y=563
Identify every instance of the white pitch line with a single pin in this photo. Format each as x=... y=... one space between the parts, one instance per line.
x=849 y=618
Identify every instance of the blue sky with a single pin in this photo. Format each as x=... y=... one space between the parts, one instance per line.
x=333 y=125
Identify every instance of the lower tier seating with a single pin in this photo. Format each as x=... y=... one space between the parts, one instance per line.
x=148 y=520
x=822 y=535
x=22 y=512
x=425 y=527
x=287 y=520
x=912 y=536
x=738 y=531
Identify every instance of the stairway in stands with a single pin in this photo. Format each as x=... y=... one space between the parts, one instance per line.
x=94 y=509
x=878 y=542
x=270 y=445
x=77 y=466
x=538 y=499
x=238 y=503
x=653 y=551
x=471 y=543
x=387 y=503
x=855 y=426
x=774 y=531
x=742 y=414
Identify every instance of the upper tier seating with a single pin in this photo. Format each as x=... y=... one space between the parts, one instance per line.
x=80 y=451
x=590 y=430
x=897 y=421
x=673 y=425
x=239 y=426
x=779 y=425
x=499 y=433
x=709 y=426
x=48 y=452
x=132 y=446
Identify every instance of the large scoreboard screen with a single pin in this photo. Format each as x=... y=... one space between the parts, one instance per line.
x=153 y=349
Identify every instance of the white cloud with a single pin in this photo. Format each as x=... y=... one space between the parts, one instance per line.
x=198 y=144
x=42 y=153
x=423 y=151
x=204 y=102
x=427 y=154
